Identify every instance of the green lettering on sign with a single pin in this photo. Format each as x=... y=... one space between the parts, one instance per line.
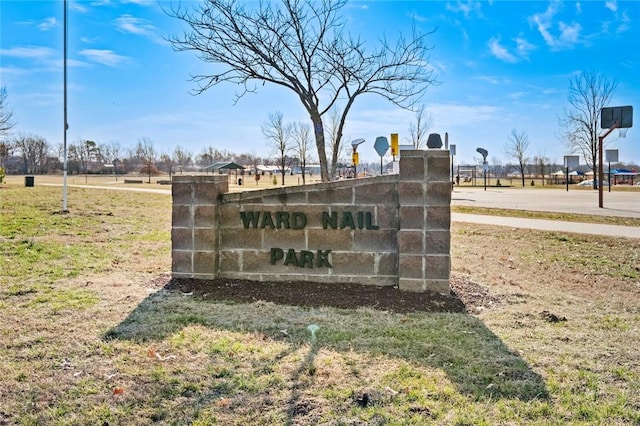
x=347 y=221
x=291 y=258
x=329 y=220
x=250 y=219
x=267 y=220
x=323 y=258
x=276 y=254
x=306 y=259
x=282 y=220
x=299 y=220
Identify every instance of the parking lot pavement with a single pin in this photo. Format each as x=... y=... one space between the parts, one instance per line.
x=622 y=204
x=582 y=201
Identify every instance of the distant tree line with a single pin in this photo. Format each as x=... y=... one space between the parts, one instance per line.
x=32 y=154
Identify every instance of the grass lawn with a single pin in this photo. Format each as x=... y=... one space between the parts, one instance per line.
x=88 y=336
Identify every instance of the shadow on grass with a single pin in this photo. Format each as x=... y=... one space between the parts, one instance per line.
x=474 y=359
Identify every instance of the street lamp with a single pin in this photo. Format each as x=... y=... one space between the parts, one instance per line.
x=354 y=156
x=485 y=168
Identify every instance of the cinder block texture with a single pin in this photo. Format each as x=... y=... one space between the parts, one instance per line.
x=391 y=230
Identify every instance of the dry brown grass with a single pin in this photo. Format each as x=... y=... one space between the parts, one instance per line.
x=88 y=337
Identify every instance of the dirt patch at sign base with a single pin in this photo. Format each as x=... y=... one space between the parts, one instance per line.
x=465 y=297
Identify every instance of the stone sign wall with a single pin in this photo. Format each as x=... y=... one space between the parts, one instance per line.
x=389 y=230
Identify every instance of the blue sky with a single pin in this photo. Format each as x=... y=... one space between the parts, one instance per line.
x=501 y=65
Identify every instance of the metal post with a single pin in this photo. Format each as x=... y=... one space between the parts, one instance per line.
x=66 y=126
x=452 y=180
x=484 y=172
x=601 y=163
x=600 y=172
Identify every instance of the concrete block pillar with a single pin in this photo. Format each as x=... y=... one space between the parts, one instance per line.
x=424 y=238
x=194 y=225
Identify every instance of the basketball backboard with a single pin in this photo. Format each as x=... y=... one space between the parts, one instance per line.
x=622 y=115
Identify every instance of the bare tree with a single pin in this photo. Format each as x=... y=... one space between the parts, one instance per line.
x=6 y=151
x=111 y=154
x=541 y=161
x=147 y=153
x=302 y=46
x=166 y=163
x=589 y=92
x=209 y=155
x=182 y=157
x=517 y=147
x=7 y=121
x=87 y=152
x=34 y=150
x=301 y=134
x=419 y=129
x=278 y=133
x=252 y=161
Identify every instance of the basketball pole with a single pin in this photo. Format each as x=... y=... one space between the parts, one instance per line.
x=601 y=162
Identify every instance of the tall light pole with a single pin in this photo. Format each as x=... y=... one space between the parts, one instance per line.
x=66 y=126
x=485 y=167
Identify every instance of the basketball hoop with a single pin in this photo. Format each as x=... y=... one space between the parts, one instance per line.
x=622 y=132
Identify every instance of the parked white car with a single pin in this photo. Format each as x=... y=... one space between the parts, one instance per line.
x=590 y=183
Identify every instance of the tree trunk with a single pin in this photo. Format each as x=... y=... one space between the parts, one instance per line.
x=318 y=131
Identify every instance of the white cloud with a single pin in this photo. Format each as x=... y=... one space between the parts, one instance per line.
x=624 y=23
x=611 y=5
x=569 y=34
x=418 y=18
x=465 y=115
x=500 y=52
x=438 y=66
x=466 y=7
x=104 y=57
x=523 y=47
x=77 y=6
x=48 y=24
x=489 y=79
x=517 y=95
x=543 y=22
x=142 y=27
x=5 y=71
x=29 y=52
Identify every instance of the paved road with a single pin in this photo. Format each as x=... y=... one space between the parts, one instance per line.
x=616 y=203
x=621 y=204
